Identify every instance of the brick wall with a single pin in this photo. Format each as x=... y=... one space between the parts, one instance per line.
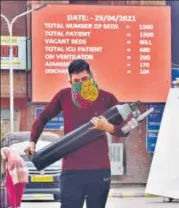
x=10 y=9
x=137 y=160
x=19 y=84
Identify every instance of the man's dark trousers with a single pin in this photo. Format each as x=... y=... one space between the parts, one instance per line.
x=80 y=185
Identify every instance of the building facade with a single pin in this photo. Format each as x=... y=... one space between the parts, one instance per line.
x=137 y=160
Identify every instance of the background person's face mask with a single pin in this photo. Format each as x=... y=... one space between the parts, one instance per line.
x=85 y=93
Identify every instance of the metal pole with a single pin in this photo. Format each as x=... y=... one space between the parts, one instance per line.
x=11 y=72
x=11 y=85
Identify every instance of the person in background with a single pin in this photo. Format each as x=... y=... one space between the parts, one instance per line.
x=16 y=175
x=86 y=171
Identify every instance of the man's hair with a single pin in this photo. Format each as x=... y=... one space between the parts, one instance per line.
x=78 y=66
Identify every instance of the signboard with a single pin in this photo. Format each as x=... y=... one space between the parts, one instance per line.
x=128 y=48
x=153 y=125
x=19 y=52
x=54 y=124
x=151 y=140
x=154 y=119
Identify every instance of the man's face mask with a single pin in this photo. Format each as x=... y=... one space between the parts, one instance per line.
x=84 y=92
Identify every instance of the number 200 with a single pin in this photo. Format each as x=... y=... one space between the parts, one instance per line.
x=144 y=57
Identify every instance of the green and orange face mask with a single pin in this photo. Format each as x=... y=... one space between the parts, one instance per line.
x=85 y=93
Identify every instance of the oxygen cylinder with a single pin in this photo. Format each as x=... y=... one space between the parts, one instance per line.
x=77 y=138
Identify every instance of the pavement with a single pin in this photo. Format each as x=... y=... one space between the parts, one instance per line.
x=124 y=197
x=142 y=202
x=125 y=192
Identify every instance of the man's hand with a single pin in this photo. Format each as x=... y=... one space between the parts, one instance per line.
x=101 y=123
x=30 y=150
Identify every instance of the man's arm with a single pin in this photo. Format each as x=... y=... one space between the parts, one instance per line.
x=49 y=112
x=117 y=124
x=113 y=127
